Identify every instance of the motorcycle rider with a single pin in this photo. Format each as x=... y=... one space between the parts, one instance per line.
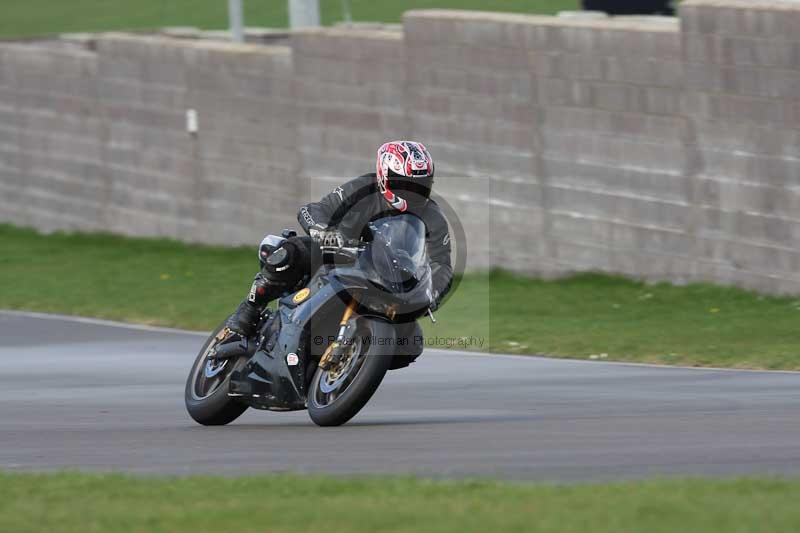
x=401 y=183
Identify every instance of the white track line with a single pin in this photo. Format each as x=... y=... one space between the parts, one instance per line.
x=143 y=327
x=101 y=322
x=540 y=357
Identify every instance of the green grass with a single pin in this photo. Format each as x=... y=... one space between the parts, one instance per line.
x=71 y=502
x=149 y=281
x=39 y=17
x=605 y=317
x=190 y=286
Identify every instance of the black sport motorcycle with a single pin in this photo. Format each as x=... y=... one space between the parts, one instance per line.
x=326 y=347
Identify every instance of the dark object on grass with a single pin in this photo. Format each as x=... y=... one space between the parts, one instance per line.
x=631 y=7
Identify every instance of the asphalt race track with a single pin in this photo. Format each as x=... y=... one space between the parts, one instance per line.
x=105 y=397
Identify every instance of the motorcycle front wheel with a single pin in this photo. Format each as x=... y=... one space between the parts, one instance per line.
x=207 y=387
x=337 y=394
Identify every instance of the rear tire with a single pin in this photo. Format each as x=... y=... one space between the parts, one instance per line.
x=213 y=407
x=354 y=397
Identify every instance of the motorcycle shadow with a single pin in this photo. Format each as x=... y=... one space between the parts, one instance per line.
x=443 y=420
x=368 y=421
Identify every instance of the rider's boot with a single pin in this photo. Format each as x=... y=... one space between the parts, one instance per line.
x=245 y=319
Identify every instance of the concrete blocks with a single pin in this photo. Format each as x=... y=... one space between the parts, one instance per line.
x=649 y=148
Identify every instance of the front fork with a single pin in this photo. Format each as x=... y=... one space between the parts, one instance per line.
x=333 y=353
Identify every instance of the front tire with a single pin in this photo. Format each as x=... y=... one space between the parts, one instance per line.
x=335 y=398
x=206 y=393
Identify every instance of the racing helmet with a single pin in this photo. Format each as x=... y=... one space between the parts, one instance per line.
x=404 y=171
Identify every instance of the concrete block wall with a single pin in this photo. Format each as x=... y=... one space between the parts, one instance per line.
x=612 y=146
x=148 y=163
x=659 y=148
x=224 y=184
x=350 y=88
x=472 y=99
x=583 y=155
x=743 y=96
x=51 y=138
x=97 y=140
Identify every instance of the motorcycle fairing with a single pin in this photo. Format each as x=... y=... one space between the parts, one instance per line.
x=393 y=280
x=268 y=381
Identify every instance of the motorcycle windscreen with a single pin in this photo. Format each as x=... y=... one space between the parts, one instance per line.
x=396 y=257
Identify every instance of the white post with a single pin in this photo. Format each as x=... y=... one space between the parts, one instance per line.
x=236 y=20
x=303 y=13
x=347 y=15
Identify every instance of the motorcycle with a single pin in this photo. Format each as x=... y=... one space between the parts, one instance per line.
x=326 y=347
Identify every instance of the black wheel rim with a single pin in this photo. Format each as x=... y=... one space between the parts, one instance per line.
x=209 y=374
x=331 y=384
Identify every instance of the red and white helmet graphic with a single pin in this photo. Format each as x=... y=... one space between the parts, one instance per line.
x=404 y=165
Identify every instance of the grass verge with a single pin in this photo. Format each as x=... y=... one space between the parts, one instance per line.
x=42 y=17
x=589 y=316
x=68 y=502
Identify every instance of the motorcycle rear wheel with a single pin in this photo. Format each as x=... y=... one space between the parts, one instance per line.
x=336 y=397
x=206 y=393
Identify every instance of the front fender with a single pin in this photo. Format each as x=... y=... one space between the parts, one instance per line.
x=383 y=339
